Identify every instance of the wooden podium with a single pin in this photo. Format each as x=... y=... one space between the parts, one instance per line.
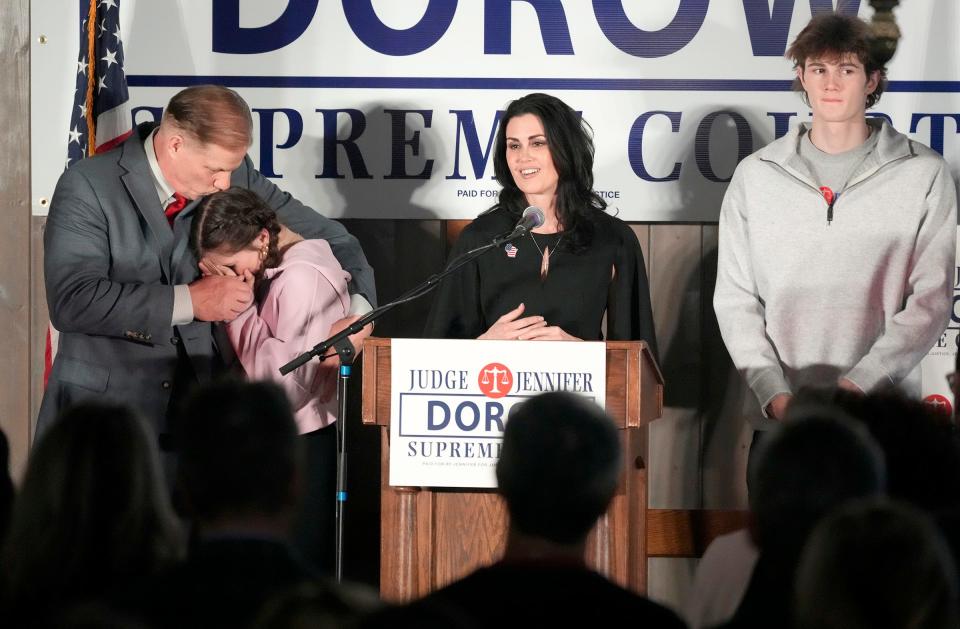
x=432 y=536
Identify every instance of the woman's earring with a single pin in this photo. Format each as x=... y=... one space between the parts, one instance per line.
x=263 y=252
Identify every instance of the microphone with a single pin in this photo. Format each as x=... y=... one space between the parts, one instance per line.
x=531 y=219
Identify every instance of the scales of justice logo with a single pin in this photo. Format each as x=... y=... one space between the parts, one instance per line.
x=495 y=380
x=940 y=403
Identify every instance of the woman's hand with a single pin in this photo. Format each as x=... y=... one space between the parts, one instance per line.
x=209 y=268
x=548 y=333
x=327 y=377
x=510 y=326
x=849 y=385
x=206 y=268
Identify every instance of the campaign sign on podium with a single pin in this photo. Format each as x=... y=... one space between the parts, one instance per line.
x=450 y=400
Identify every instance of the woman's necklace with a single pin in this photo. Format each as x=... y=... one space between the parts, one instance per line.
x=545 y=254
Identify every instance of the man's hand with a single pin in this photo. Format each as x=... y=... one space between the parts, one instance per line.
x=777 y=407
x=327 y=378
x=220 y=298
x=510 y=326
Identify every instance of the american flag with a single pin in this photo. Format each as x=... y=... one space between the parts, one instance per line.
x=101 y=104
x=511 y=250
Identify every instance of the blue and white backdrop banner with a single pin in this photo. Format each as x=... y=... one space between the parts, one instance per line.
x=387 y=108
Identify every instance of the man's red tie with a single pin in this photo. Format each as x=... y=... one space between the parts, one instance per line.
x=179 y=202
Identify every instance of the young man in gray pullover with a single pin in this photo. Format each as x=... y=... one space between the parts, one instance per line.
x=837 y=241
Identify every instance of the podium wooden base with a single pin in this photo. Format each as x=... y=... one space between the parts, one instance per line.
x=433 y=536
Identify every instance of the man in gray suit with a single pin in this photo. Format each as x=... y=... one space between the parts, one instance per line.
x=137 y=321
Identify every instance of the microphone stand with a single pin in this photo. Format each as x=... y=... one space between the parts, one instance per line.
x=340 y=342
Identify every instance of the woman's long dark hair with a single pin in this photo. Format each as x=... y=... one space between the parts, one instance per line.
x=232 y=219
x=570 y=141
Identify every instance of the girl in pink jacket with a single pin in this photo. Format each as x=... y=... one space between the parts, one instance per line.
x=299 y=291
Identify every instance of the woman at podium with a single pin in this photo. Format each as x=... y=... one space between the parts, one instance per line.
x=559 y=281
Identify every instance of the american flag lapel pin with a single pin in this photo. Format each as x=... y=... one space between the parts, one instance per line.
x=511 y=250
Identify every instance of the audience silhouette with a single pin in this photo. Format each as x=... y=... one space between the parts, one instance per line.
x=876 y=565
x=239 y=476
x=559 y=469
x=92 y=539
x=805 y=468
x=92 y=514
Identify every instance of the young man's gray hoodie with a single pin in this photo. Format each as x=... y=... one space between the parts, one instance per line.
x=801 y=301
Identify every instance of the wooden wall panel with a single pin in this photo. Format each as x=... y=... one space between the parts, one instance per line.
x=725 y=436
x=643 y=235
x=403 y=253
x=674 y=262
x=15 y=311
x=675 y=274
x=698 y=448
